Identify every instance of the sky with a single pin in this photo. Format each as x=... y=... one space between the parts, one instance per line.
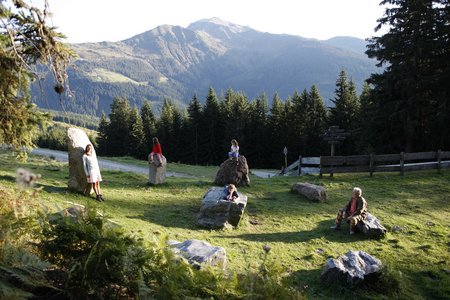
x=115 y=20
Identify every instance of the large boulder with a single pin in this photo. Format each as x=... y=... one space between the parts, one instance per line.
x=371 y=226
x=157 y=171
x=351 y=269
x=200 y=253
x=232 y=171
x=217 y=213
x=77 y=140
x=310 y=191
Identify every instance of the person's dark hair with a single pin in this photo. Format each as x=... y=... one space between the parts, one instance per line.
x=88 y=146
x=155 y=141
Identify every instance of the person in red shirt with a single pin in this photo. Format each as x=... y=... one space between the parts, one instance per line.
x=355 y=211
x=156 y=150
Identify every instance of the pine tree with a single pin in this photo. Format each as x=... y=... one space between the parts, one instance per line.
x=165 y=128
x=257 y=140
x=119 y=127
x=102 y=136
x=278 y=127
x=149 y=124
x=316 y=120
x=192 y=140
x=176 y=146
x=235 y=109
x=137 y=146
x=412 y=94
x=26 y=40
x=367 y=112
x=345 y=112
x=296 y=118
x=212 y=131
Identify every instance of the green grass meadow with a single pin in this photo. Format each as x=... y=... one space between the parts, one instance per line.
x=416 y=259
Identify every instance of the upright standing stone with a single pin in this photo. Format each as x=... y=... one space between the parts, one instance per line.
x=157 y=171
x=232 y=171
x=77 y=140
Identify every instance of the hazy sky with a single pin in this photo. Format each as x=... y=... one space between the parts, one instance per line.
x=114 y=20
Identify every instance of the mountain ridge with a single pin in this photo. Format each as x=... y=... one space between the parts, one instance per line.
x=174 y=62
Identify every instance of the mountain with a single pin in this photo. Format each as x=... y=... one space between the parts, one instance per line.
x=348 y=43
x=175 y=62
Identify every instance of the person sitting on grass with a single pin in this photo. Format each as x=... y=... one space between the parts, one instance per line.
x=232 y=193
x=355 y=211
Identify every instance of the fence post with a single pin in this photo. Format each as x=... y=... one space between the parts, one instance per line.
x=402 y=163
x=439 y=156
x=371 y=163
x=299 y=165
x=320 y=167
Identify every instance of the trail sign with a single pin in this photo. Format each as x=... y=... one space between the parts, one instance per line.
x=334 y=135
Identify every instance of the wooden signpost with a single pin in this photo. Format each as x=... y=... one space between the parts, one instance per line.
x=334 y=135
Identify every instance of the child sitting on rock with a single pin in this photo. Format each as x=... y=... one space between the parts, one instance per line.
x=232 y=193
x=234 y=151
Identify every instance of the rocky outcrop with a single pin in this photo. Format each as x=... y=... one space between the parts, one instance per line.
x=200 y=253
x=157 y=171
x=77 y=140
x=235 y=172
x=351 y=269
x=311 y=191
x=371 y=226
x=217 y=213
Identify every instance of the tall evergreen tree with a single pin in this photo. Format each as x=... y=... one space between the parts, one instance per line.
x=412 y=94
x=367 y=113
x=316 y=123
x=212 y=130
x=148 y=123
x=165 y=128
x=345 y=112
x=297 y=124
x=102 y=136
x=257 y=140
x=26 y=40
x=119 y=127
x=192 y=140
x=176 y=146
x=234 y=110
x=278 y=128
x=137 y=146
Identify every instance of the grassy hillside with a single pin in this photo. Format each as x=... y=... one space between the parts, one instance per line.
x=297 y=230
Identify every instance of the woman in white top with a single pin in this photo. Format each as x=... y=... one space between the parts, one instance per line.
x=234 y=151
x=92 y=171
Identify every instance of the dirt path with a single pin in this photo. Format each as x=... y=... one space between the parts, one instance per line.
x=105 y=164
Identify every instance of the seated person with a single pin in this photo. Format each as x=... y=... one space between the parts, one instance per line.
x=355 y=211
x=234 y=151
x=232 y=193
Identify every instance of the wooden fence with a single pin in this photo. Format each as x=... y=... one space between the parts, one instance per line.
x=402 y=162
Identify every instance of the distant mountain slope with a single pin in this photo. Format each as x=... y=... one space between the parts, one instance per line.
x=176 y=62
x=348 y=43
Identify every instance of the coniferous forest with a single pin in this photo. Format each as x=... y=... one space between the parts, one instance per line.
x=405 y=108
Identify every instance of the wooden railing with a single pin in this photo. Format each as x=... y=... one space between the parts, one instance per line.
x=310 y=164
x=401 y=162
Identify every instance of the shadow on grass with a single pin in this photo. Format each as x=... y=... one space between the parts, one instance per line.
x=174 y=215
x=321 y=231
x=53 y=188
x=8 y=178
